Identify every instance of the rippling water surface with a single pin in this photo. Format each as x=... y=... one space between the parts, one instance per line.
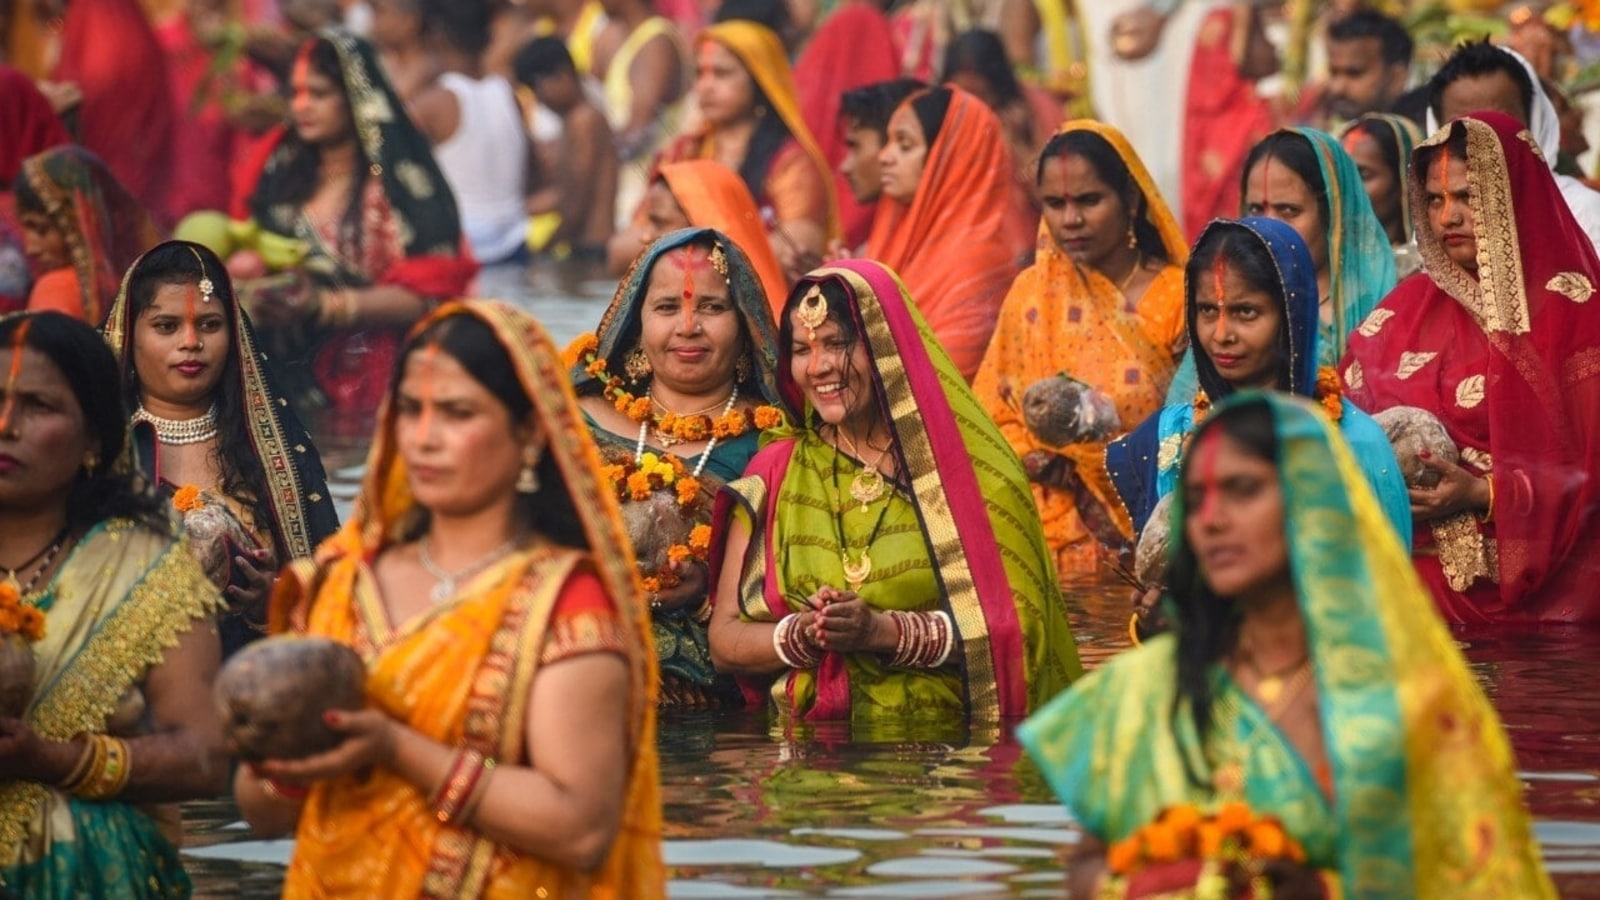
x=753 y=813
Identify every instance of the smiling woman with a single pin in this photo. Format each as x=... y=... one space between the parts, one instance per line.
x=212 y=431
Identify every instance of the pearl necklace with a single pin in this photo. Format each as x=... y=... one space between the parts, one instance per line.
x=705 y=455
x=198 y=430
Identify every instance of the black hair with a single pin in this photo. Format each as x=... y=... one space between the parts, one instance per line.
x=1395 y=42
x=1247 y=256
x=111 y=490
x=871 y=106
x=979 y=52
x=842 y=311
x=542 y=57
x=27 y=199
x=773 y=14
x=303 y=168
x=184 y=263
x=1423 y=158
x=770 y=135
x=930 y=108
x=1207 y=625
x=1109 y=168
x=1294 y=150
x=470 y=341
x=463 y=24
x=1476 y=59
x=1383 y=135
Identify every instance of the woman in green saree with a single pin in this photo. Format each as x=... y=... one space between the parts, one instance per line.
x=120 y=718
x=1308 y=677
x=884 y=564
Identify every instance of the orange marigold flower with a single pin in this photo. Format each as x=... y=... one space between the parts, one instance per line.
x=17 y=617
x=1330 y=389
x=1209 y=838
x=720 y=430
x=32 y=624
x=700 y=538
x=639 y=409
x=651 y=584
x=694 y=428
x=613 y=473
x=187 y=499
x=1182 y=817
x=1267 y=839
x=639 y=486
x=668 y=423
x=622 y=401
x=1162 y=843
x=678 y=553
x=596 y=368
x=1123 y=856
x=688 y=490
x=768 y=417
x=1234 y=817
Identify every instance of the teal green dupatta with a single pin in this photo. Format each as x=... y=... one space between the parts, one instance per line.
x=1425 y=801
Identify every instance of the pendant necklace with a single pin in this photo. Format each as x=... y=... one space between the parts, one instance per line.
x=42 y=560
x=856 y=572
x=447 y=581
x=1277 y=689
x=868 y=485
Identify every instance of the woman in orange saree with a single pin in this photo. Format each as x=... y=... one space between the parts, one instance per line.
x=1103 y=302
x=491 y=653
x=712 y=196
x=944 y=218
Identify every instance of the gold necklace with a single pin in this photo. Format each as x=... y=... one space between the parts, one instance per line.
x=868 y=485
x=1228 y=778
x=1271 y=686
x=1138 y=266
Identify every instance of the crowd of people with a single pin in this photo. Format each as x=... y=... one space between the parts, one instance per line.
x=920 y=325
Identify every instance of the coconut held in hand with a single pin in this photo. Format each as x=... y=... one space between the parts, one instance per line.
x=655 y=524
x=1153 y=555
x=1062 y=410
x=272 y=694
x=214 y=533
x=1412 y=431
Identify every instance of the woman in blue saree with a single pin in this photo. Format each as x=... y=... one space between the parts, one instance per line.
x=1307 y=678
x=1251 y=306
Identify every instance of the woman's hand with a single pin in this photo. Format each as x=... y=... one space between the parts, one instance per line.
x=255 y=568
x=20 y=751
x=689 y=592
x=369 y=743
x=1149 y=619
x=846 y=624
x=1458 y=491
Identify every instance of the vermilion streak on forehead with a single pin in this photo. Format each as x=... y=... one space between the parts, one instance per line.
x=18 y=345
x=1208 y=451
x=690 y=261
x=425 y=398
x=1441 y=172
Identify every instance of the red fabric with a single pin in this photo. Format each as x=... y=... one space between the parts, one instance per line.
x=28 y=124
x=1539 y=418
x=127 y=117
x=854 y=47
x=247 y=169
x=1223 y=119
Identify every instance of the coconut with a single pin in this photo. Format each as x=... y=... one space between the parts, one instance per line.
x=16 y=675
x=1412 y=431
x=215 y=535
x=655 y=524
x=1153 y=554
x=1062 y=410
x=271 y=695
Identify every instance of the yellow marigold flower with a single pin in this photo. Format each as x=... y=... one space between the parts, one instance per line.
x=187 y=499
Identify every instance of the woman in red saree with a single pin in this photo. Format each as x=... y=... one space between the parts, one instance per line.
x=30 y=125
x=1500 y=343
x=944 y=221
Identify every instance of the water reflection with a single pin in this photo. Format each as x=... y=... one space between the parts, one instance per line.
x=753 y=811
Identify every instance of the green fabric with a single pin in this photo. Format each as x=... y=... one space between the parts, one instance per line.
x=119 y=854
x=1360 y=260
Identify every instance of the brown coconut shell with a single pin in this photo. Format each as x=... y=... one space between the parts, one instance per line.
x=271 y=695
x=16 y=675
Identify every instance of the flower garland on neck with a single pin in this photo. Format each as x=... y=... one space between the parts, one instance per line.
x=669 y=426
x=1330 y=396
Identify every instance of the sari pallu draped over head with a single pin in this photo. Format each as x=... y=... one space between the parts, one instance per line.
x=104 y=227
x=1144 y=464
x=1405 y=136
x=1509 y=361
x=712 y=196
x=462 y=672
x=990 y=568
x=1062 y=317
x=1423 y=799
x=954 y=243
x=302 y=513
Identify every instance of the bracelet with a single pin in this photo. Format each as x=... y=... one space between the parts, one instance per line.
x=793 y=645
x=80 y=769
x=336 y=309
x=702 y=615
x=926 y=639
x=280 y=791
x=452 y=798
x=108 y=771
x=1488 y=514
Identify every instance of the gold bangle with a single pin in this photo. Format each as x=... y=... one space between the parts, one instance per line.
x=1133 y=629
x=80 y=769
x=1488 y=514
x=108 y=774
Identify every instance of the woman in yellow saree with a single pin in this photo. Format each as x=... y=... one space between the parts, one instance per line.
x=882 y=566
x=1307 y=677
x=528 y=622
x=1103 y=302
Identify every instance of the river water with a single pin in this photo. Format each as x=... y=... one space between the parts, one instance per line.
x=755 y=813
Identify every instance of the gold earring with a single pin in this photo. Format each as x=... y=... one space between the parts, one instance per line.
x=528 y=478
x=90 y=463
x=637 y=365
x=1133 y=239
x=741 y=369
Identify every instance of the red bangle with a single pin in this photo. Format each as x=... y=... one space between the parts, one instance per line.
x=277 y=789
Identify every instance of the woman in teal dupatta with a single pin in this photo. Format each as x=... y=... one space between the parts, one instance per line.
x=1271 y=258
x=1380 y=144
x=884 y=565
x=1370 y=741
x=731 y=386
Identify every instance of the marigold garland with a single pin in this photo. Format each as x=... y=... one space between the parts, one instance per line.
x=19 y=618
x=1330 y=396
x=1234 y=833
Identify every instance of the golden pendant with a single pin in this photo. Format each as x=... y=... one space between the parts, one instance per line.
x=855 y=573
x=867 y=487
x=1269 y=689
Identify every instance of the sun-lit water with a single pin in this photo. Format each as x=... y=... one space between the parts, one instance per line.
x=753 y=813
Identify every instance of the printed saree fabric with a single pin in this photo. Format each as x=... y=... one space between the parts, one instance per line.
x=1061 y=317
x=462 y=672
x=1509 y=361
x=125 y=594
x=958 y=535
x=681 y=643
x=711 y=195
x=957 y=281
x=1424 y=799
x=297 y=488
x=1143 y=465
x=105 y=228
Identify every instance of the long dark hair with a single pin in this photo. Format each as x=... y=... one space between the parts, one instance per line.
x=303 y=168
x=1109 y=168
x=1248 y=256
x=979 y=52
x=770 y=135
x=111 y=490
x=1207 y=625
x=842 y=312
x=930 y=108
x=184 y=263
x=1295 y=151
x=470 y=341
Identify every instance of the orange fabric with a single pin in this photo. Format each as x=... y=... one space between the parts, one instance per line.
x=1062 y=317
x=58 y=291
x=713 y=196
x=955 y=245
